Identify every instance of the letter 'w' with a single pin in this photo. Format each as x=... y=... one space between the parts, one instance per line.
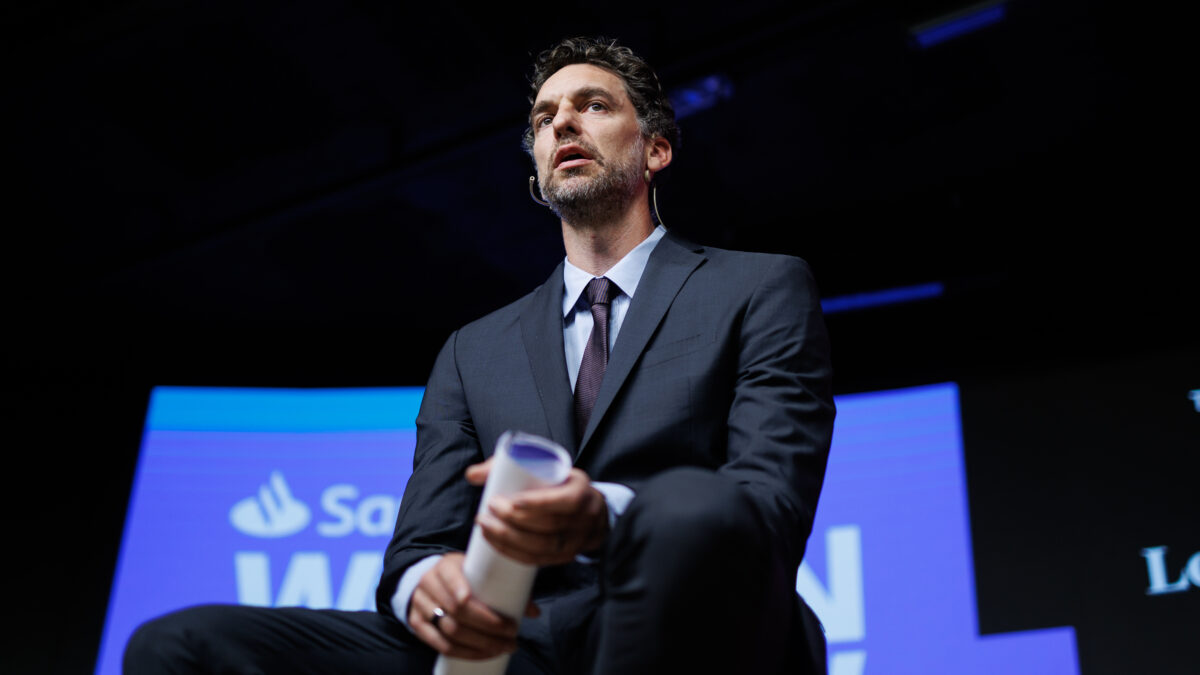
x=840 y=605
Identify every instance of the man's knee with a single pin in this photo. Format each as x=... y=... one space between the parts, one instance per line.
x=158 y=645
x=690 y=512
x=178 y=642
x=690 y=552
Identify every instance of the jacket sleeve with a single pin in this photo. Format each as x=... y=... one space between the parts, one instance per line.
x=435 y=514
x=780 y=421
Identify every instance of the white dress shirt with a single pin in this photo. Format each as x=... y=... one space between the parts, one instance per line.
x=577 y=326
x=577 y=315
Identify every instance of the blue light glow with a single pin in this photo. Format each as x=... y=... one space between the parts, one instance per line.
x=891 y=296
x=960 y=23
x=700 y=95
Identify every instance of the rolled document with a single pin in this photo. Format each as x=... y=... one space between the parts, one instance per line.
x=521 y=461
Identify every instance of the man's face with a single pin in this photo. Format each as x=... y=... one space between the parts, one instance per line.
x=588 y=147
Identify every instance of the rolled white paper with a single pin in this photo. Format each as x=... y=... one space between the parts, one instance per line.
x=521 y=461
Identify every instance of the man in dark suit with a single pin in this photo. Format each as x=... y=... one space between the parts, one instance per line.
x=713 y=413
x=690 y=384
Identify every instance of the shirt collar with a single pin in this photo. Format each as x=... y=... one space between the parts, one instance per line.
x=625 y=274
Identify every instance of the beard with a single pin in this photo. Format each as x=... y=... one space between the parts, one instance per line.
x=586 y=201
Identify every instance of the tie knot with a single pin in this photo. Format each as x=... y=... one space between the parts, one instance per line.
x=601 y=291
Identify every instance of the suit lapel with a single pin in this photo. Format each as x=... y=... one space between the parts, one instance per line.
x=542 y=333
x=669 y=266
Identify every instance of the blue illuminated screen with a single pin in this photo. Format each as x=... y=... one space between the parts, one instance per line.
x=288 y=497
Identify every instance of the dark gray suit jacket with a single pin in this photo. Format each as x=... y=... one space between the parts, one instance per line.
x=722 y=362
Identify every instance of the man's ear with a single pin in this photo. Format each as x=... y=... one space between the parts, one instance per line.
x=658 y=154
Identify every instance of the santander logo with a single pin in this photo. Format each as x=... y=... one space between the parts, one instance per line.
x=273 y=512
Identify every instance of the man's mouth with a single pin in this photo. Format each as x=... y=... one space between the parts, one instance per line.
x=570 y=156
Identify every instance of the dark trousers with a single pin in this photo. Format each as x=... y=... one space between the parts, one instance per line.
x=691 y=582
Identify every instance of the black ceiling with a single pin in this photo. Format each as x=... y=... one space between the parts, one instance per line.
x=317 y=193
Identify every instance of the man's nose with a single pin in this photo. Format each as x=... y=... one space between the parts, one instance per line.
x=565 y=121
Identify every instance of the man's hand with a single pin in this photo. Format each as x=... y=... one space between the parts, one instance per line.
x=468 y=628
x=544 y=526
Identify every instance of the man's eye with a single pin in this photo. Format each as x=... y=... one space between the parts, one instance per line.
x=542 y=121
x=596 y=106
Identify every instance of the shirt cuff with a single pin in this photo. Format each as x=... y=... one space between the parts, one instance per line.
x=408 y=585
x=617 y=497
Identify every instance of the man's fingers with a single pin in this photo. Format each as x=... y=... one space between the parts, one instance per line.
x=420 y=618
x=448 y=645
x=507 y=541
x=431 y=636
x=569 y=500
x=528 y=519
x=566 y=499
x=484 y=620
x=532 y=548
x=450 y=578
x=548 y=525
x=466 y=630
x=431 y=592
x=465 y=609
x=477 y=473
x=466 y=637
x=588 y=518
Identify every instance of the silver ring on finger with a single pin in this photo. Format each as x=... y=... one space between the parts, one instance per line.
x=438 y=615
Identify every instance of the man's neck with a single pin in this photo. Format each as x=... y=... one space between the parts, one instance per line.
x=596 y=247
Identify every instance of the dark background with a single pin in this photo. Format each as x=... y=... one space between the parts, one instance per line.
x=1073 y=470
x=317 y=193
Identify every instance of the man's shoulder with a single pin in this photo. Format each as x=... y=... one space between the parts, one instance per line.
x=755 y=258
x=730 y=256
x=499 y=321
x=739 y=268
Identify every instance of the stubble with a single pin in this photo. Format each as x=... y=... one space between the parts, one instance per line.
x=591 y=201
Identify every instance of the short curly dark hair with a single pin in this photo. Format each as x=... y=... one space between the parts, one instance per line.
x=655 y=114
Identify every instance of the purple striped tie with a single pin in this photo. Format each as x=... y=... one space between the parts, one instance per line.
x=600 y=293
